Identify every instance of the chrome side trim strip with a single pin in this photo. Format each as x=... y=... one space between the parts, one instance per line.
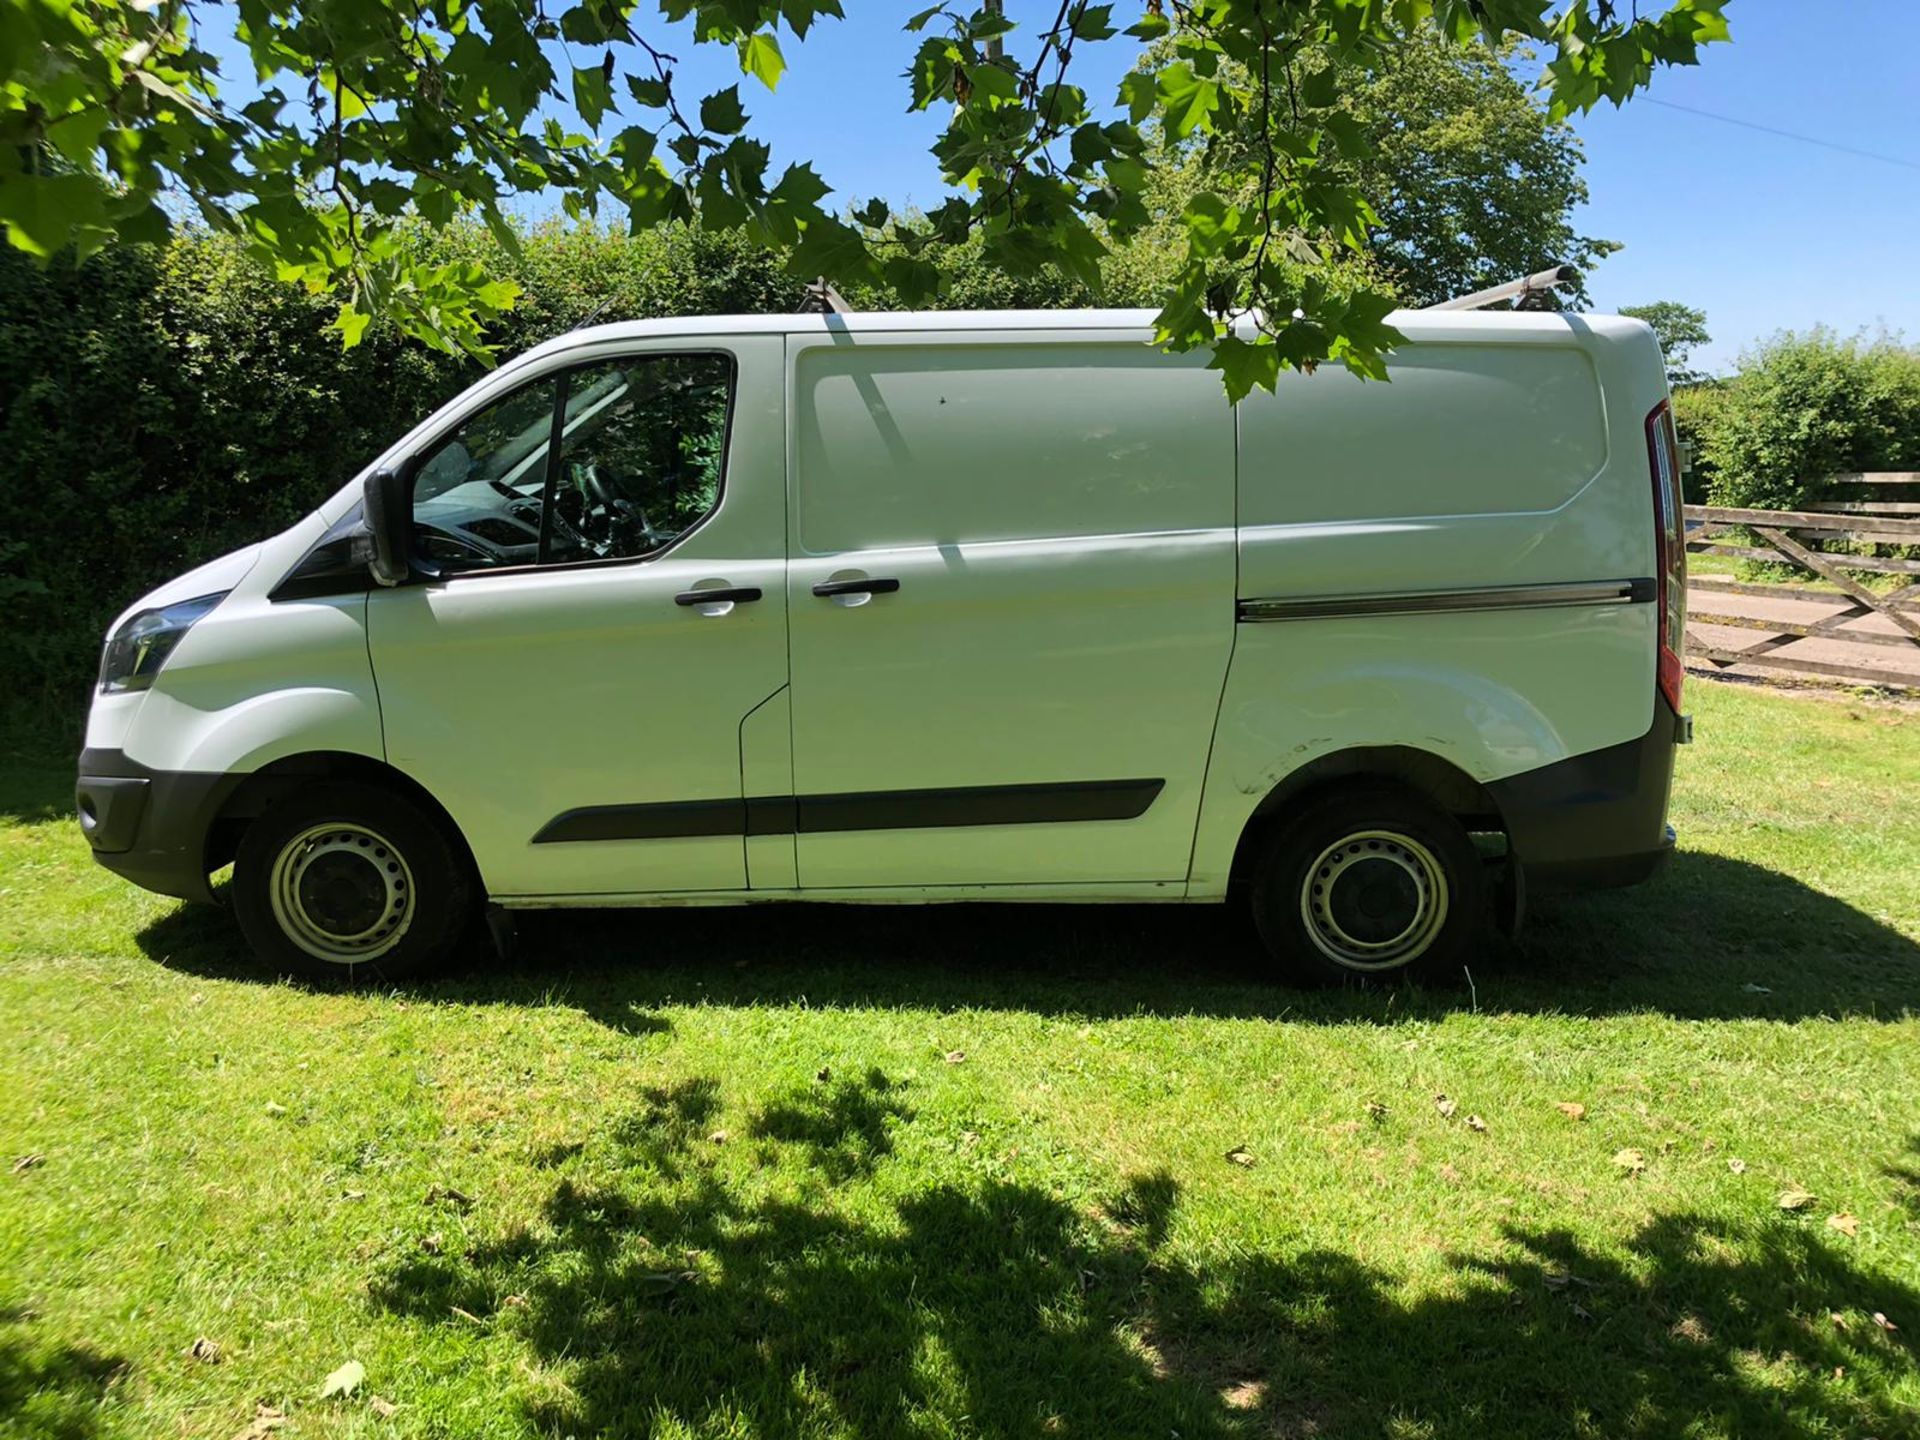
x=1449 y=602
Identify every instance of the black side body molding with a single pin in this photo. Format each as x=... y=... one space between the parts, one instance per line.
x=1068 y=801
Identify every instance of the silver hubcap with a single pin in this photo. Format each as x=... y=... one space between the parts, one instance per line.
x=1374 y=900
x=342 y=893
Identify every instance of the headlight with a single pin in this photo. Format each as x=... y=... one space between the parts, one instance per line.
x=136 y=651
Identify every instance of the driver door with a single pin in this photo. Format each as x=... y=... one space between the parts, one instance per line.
x=609 y=608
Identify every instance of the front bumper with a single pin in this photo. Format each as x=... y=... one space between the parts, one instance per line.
x=1599 y=820
x=150 y=826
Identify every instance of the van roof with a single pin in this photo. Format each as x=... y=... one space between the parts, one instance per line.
x=1416 y=325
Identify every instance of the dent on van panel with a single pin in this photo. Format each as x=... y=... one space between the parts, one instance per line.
x=1457 y=430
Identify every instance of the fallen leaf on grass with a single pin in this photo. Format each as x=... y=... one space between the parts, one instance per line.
x=718 y=1137
x=1474 y=1122
x=204 y=1350
x=1753 y=989
x=1444 y=1104
x=274 y=1107
x=1572 y=1109
x=354 y=1195
x=1631 y=1161
x=431 y=1243
x=956 y=1057
x=1884 y=1323
x=343 y=1381
x=1844 y=1222
x=266 y=1420
x=1794 y=1198
x=28 y=1162
x=383 y=1408
x=458 y=1199
x=516 y=1302
x=1240 y=1155
x=1737 y=1166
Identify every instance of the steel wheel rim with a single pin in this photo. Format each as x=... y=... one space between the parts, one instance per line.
x=1386 y=864
x=342 y=892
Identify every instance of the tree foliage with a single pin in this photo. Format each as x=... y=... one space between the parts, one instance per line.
x=1805 y=406
x=1678 y=328
x=372 y=111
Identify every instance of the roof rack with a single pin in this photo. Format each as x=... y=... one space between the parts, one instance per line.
x=823 y=299
x=1518 y=291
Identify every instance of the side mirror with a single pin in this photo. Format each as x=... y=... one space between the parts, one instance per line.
x=387 y=500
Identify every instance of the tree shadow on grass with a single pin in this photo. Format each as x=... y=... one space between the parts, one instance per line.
x=663 y=1299
x=1710 y=938
x=50 y=1390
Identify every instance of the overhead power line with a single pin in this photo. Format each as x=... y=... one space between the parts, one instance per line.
x=1788 y=135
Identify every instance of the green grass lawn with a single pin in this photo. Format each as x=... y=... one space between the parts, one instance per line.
x=937 y=1172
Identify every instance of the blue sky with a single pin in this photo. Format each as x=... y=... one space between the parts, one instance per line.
x=1760 y=231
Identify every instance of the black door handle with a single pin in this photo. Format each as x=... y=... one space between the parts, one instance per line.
x=884 y=585
x=742 y=594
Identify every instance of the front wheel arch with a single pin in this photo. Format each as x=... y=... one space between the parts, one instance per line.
x=263 y=788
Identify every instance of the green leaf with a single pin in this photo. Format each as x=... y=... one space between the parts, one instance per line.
x=720 y=112
x=653 y=94
x=1244 y=365
x=592 y=93
x=1093 y=22
x=760 y=57
x=1190 y=99
x=801 y=185
x=351 y=323
x=42 y=212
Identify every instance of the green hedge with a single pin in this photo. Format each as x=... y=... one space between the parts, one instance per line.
x=1803 y=407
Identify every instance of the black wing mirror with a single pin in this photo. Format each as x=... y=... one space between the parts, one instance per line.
x=388 y=502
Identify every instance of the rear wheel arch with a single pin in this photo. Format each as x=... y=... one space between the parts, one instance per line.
x=1434 y=779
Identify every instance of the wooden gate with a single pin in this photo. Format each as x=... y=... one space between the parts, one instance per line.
x=1841 y=629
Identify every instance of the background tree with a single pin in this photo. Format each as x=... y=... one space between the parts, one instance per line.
x=1678 y=328
x=1471 y=178
x=369 y=111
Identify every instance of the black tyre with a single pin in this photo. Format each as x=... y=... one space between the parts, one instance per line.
x=1369 y=882
x=345 y=882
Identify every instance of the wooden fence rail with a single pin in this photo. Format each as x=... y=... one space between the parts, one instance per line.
x=1812 y=630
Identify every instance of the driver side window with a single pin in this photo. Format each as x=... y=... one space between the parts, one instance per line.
x=641 y=456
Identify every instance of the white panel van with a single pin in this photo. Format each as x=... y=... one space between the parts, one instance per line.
x=1004 y=606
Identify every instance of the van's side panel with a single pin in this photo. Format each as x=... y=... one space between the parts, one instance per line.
x=1492 y=459
x=1034 y=702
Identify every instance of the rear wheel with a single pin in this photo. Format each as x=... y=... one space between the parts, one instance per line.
x=345 y=881
x=1368 y=883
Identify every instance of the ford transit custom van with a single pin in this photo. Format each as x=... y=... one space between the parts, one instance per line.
x=997 y=606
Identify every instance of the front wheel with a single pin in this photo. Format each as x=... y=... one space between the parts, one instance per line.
x=342 y=881
x=1368 y=883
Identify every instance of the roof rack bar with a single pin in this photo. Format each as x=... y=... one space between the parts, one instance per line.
x=1514 y=290
x=823 y=299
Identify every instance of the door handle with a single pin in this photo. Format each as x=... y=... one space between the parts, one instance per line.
x=883 y=585
x=741 y=594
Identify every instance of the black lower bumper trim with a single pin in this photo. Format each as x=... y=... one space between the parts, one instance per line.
x=1598 y=820
x=150 y=826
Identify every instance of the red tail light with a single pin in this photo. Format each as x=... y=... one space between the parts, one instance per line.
x=1670 y=549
